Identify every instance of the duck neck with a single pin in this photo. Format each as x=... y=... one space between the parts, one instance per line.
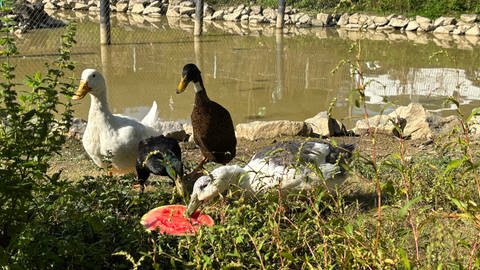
x=238 y=176
x=99 y=107
x=200 y=92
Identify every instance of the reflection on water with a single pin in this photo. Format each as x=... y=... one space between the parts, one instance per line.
x=262 y=75
x=424 y=82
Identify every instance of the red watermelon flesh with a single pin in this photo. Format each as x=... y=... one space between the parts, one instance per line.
x=169 y=219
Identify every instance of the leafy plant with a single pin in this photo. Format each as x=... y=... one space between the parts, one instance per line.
x=32 y=129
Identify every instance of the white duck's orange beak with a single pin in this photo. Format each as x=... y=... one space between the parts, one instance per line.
x=82 y=90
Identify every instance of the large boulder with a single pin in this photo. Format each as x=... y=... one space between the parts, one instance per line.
x=416 y=126
x=324 y=125
x=272 y=129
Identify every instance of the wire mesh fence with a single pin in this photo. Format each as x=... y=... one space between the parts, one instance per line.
x=269 y=78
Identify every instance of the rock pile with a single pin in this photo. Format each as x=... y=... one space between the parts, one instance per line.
x=467 y=24
x=410 y=122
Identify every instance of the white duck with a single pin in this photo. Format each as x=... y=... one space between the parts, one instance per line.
x=110 y=134
x=290 y=165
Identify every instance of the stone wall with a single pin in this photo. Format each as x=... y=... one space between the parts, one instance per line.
x=467 y=24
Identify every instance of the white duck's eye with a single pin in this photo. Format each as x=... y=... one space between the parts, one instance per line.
x=93 y=75
x=202 y=187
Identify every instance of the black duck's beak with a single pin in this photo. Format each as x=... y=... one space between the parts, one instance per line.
x=182 y=85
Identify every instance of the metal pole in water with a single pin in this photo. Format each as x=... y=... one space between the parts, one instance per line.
x=280 y=14
x=105 y=22
x=198 y=18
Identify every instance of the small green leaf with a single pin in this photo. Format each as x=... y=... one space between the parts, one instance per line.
x=460 y=205
x=475 y=112
x=349 y=229
x=404 y=209
x=454 y=164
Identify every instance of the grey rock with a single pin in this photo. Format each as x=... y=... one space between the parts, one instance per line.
x=272 y=129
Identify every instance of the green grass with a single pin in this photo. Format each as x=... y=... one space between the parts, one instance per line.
x=428 y=8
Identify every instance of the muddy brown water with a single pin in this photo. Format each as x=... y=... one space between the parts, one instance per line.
x=256 y=74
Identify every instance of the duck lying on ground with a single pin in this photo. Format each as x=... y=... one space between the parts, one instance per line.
x=159 y=155
x=110 y=134
x=213 y=129
x=290 y=165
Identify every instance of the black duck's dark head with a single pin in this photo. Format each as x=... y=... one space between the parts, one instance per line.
x=190 y=73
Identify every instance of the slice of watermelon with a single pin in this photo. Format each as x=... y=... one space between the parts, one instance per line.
x=169 y=219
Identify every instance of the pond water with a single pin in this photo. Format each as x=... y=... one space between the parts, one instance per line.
x=258 y=75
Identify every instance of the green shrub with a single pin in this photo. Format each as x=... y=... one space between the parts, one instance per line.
x=32 y=129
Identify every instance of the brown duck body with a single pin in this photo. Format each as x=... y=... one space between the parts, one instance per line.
x=213 y=129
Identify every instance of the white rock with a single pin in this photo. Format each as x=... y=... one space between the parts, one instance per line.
x=217 y=15
x=137 y=8
x=444 y=21
x=80 y=6
x=469 y=18
x=255 y=10
x=325 y=19
x=151 y=10
x=320 y=125
x=270 y=13
x=412 y=26
x=172 y=12
x=420 y=20
x=187 y=4
x=380 y=20
x=235 y=16
x=122 y=6
x=426 y=26
x=474 y=31
x=446 y=29
x=399 y=22
x=50 y=5
x=257 y=19
x=343 y=20
x=417 y=122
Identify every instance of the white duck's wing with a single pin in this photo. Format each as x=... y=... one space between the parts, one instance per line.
x=151 y=117
x=121 y=138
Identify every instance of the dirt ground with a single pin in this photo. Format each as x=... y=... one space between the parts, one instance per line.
x=75 y=163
